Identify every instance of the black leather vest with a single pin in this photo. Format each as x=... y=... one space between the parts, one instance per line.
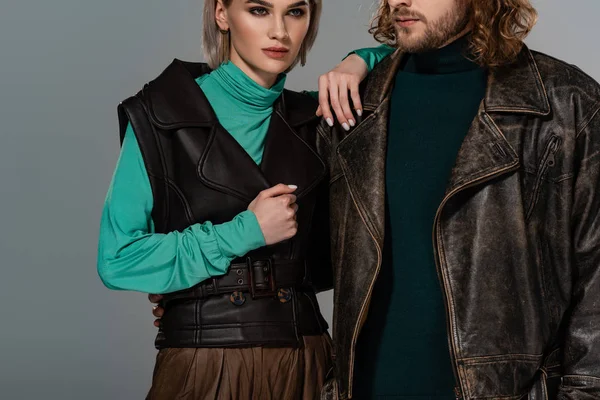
x=198 y=172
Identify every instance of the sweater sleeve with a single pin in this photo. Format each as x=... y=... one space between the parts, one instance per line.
x=131 y=256
x=373 y=55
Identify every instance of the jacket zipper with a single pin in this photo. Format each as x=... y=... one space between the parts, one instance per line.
x=458 y=390
x=548 y=162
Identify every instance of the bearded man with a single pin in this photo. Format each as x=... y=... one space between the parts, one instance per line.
x=465 y=214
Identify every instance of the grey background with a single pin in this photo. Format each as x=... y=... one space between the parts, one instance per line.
x=64 y=66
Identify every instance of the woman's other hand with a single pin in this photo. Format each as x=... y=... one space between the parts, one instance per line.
x=275 y=209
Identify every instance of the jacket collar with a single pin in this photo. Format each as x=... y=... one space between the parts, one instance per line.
x=175 y=100
x=514 y=88
x=517 y=88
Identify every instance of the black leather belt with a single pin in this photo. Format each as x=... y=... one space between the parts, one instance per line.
x=260 y=302
x=260 y=278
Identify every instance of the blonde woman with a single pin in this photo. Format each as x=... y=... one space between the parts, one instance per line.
x=219 y=202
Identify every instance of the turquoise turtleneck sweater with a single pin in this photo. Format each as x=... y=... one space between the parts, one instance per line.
x=402 y=352
x=131 y=256
x=228 y=87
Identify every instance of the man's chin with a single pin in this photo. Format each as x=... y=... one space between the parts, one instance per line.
x=412 y=45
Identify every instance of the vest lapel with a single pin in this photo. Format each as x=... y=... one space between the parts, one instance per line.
x=288 y=159
x=227 y=167
x=177 y=104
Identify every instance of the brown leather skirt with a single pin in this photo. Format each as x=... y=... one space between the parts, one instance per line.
x=253 y=373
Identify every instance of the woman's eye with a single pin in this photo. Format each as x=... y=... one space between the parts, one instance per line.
x=297 y=12
x=259 y=11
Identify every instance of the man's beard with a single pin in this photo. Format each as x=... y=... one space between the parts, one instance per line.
x=437 y=33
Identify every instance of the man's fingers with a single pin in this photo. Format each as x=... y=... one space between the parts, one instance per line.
x=278 y=190
x=324 y=100
x=157 y=323
x=158 y=311
x=155 y=298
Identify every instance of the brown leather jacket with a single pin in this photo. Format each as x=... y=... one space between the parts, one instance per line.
x=516 y=237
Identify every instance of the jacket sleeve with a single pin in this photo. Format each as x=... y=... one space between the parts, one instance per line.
x=581 y=347
x=131 y=256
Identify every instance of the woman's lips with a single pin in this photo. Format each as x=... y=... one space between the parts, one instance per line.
x=275 y=52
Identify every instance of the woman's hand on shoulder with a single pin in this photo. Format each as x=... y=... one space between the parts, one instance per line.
x=337 y=87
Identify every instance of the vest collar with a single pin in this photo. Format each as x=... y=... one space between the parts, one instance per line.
x=176 y=101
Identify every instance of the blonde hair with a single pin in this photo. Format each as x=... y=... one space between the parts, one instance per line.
x=215 y=42
x=498 y=28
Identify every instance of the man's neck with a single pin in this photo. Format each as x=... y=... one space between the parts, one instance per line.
x=450 y=59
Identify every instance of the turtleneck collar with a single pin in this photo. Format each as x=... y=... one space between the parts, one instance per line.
x=246 y=93
x=450 y=59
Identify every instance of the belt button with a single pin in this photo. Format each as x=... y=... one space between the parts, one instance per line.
x=284 y=295
x=237 y=298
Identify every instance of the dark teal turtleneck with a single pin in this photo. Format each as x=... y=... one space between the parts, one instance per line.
x=402 y=352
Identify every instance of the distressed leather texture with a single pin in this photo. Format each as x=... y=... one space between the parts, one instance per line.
x=516 y=238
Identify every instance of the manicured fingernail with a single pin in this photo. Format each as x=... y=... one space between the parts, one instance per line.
x=329 y=122
x=351 y=121
x=154 y=308
x=345 y=126
x=293 y=186
x=359 y=112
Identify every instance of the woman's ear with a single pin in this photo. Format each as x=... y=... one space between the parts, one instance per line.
x=221 y=16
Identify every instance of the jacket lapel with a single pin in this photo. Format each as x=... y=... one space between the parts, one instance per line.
x=362 y=152
x=485 y=151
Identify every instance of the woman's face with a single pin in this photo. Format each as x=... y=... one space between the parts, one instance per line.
x=266 y=35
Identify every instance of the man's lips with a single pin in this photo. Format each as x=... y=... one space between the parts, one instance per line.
x=406 y=21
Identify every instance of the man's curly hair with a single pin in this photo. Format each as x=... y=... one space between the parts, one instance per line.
x=498 y=28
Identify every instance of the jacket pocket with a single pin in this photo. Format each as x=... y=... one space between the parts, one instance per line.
x=547 y=163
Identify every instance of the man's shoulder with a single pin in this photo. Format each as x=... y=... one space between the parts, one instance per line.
x=562 y=79
x=300 y=97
